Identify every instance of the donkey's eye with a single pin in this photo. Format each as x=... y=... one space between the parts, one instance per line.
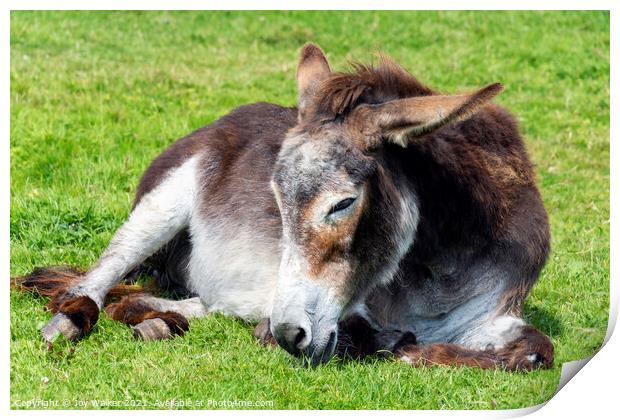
x=342 y=205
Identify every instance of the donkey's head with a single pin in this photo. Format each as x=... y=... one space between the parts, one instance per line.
x=348 y=217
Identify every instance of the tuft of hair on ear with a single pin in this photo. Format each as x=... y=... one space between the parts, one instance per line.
x=310 y=51
x=343 y=91
x=477 y=100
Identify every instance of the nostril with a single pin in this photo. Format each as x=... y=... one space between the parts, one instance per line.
x=301 y=334
x=291 y=337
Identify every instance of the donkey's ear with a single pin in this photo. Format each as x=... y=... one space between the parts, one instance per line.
x=312 y=69
x=402 y=120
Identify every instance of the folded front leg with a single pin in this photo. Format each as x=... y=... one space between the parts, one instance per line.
x=155 y=220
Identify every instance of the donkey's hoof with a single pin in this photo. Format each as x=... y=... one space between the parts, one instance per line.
x=263 y=334
x=532 y=350
x=60 y=324
x=152 y=329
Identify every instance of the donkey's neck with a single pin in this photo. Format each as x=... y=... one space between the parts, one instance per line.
x=390 y=228
x=404 y=218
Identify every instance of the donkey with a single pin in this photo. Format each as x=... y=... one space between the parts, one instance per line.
x=377 y=216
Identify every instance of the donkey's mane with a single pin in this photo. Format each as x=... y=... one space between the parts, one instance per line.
x=341 y=92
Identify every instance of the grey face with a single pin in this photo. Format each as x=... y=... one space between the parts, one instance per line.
x=321 y=186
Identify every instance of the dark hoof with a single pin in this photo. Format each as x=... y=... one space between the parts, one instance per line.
x=536 y=359
x=152 y=329
x=60 y=325
x=160 y=326
x=528 y=362
x=74 y=318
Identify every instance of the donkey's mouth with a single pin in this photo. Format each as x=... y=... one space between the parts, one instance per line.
x=314 y=355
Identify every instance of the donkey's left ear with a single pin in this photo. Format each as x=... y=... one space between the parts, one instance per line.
x=402 y=120
x=312 y=69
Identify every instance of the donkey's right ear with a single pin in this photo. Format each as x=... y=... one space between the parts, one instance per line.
x=312 y=69
x=401 y=121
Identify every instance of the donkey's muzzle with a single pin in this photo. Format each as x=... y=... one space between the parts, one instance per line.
x=298 y=341
x=304 y=318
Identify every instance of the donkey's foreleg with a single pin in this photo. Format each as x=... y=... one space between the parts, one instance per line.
x=156 y=318
x=156 y=219
x=448 y=354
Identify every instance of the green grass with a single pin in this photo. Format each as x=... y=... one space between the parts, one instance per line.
x=96 y=96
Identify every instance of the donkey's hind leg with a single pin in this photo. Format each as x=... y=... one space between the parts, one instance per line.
x=508 y=343
x=155 y=220
x=154 y=318
x=515 y=344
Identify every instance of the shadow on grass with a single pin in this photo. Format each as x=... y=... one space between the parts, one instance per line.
x=544 y=320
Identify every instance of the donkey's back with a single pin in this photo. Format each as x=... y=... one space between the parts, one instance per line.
x=246 y=141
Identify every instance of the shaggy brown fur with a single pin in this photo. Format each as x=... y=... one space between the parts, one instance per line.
x=82 y=311
x=446 y=354
x=366 y=84
x=512 y=357
x=55 y=281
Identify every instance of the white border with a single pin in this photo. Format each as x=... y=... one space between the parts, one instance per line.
x=312 y=5
x=593 y=394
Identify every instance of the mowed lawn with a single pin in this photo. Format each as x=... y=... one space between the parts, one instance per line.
x=96 y=96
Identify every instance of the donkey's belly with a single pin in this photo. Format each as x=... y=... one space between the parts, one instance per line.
x=233 y=269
